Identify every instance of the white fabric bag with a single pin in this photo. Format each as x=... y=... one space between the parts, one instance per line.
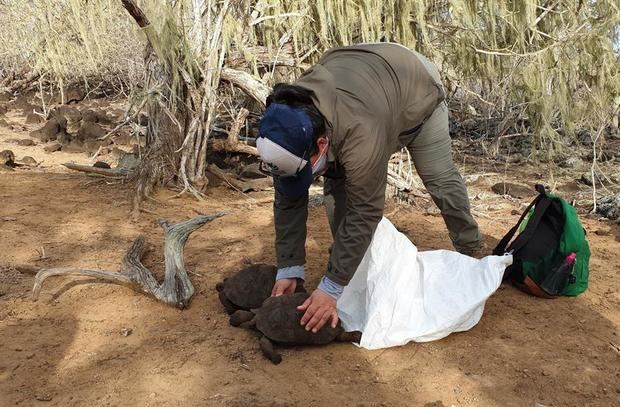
x=400 y=295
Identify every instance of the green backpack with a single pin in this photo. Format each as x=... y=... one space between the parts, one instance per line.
x=551 y=253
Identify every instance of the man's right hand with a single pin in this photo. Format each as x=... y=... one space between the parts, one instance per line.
x=284 y=286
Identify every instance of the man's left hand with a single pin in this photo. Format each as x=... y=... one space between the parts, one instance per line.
x=319 y=308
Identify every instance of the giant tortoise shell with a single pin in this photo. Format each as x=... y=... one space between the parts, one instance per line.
x=248 y=288
x=278 y=320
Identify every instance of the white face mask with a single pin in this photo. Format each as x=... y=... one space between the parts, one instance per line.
x=320 y=166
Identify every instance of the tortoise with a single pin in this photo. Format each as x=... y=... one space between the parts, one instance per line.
x=278 y=321
x=248 y=288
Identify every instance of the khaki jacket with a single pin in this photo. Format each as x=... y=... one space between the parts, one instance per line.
x=375 y=98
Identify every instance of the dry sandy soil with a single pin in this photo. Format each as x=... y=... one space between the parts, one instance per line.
x=67 y=349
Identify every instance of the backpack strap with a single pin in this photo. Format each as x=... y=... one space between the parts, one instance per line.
x=527 y=234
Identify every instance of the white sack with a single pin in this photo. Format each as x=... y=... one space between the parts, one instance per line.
x=400 y=295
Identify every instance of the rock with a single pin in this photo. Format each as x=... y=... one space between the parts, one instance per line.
x=126 y=331
x=32 y=118
x=602 y=232
x=129 y=161
x=25 y=142
x=7 y=158
x=571 y=162
x=514 y=190
x=75 y=146
x=48 y=132
x=123 y=139
x=3 y=109
x=4 y=123
x=510 y=159
x=52 y=147
x=252 y=171
x=71 y=114
x=102 y=117
x=29 y=160
x=63 y=138
x=609 y=207
x=90 y=131
x=90 y=116
x=586 y=178
x=74 y=94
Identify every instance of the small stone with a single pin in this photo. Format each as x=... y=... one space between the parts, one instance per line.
x=52 y=147
x=43 y=397
x=25 y=142
x=601 y=232
x=32 y=118
x=513 y=190
x=126 y=331
x=586 y=178
x=571 y=162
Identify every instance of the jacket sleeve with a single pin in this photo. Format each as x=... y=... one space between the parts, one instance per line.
x=290 y=223
x=365 y=165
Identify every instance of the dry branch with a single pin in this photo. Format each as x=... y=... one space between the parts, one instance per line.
x=107 y=172
x=176 y=289
x=232 y=143
x=247 y=83
x=230 y=180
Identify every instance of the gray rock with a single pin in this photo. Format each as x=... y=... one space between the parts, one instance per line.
x=49 y=131
x=90 y=131
x=28 y=160
x=52 y=147
x=252 y=171
x=609 y=206
x=25 y=142
x=90 y=116
x=32 y=118
x=572 y=162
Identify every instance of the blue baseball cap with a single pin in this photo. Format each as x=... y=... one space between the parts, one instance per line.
x=285 y=138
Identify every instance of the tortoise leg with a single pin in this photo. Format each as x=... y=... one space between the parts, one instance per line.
x=229 y=306
x=354 y=336
x=267 y=347
x=240 y=316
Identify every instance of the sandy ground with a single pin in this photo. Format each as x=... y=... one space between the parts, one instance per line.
x=67 y=349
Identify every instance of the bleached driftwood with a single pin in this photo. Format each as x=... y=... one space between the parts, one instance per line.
x=176 y=289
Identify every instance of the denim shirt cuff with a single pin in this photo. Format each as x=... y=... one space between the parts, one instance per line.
x=291 y=272
x=330 y=288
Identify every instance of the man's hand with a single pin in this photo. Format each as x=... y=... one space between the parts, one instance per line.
x=319 y=308
x=284 y=286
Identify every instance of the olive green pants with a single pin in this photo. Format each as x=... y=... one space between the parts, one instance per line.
x=431 y=151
